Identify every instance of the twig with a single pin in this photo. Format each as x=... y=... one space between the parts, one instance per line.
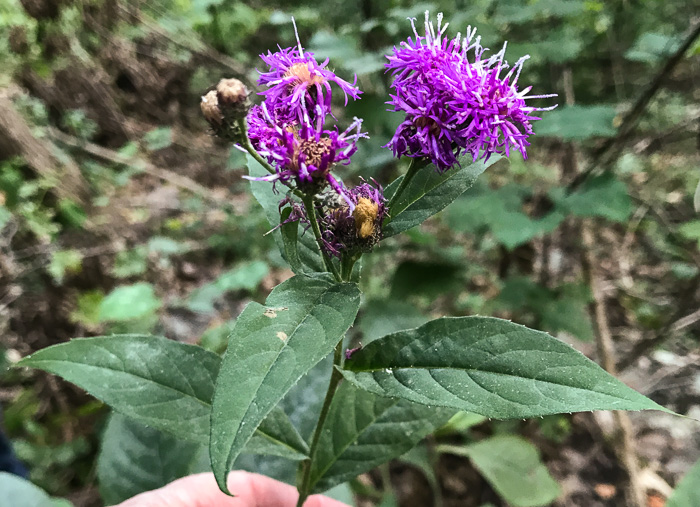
x=606 y=356
x=610 y=150
x=661 y=336
x=175 y=179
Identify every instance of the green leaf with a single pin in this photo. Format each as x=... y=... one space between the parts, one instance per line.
x=270 y=348
x=25 y=494
x=603 y=196
x=158 y=138
x=164 y=384
x=578 y=122
x=490 y=367
x=130 y=262
x=513 y=468
x=64 y=261
x=687 y=493
x=429 y=192
x=363 y=431
x=650 y=47
x=309 y=255
x=281 y=437
x=135 y=458
x=129 y=302
x=246 y=276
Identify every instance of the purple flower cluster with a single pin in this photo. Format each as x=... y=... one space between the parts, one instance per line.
x=300 y=153
x=288 y=128
x=455 y=105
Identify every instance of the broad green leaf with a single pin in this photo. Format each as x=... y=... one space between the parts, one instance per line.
x=429 y=192
x=687 y=492
x=276 y=429
x=490 y=367
x=246 y=276
x=500 y=213
x=135 y=458
x=263 y=192
x=603 y=196
x=162 y=383
x=513 y=468
x=577 y=122
x=270 y=348
x=159 y=382
x=650 y=47
x=25 y=494
x=129 y=302
x=363 y=431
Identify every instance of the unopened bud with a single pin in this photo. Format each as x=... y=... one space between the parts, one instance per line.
x=231 y=91
x=233 y=99
x=211 y=111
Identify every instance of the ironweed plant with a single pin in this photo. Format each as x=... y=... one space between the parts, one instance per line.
x=462 y=109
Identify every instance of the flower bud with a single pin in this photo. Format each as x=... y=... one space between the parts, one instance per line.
x=233 y=99
x=211 y=111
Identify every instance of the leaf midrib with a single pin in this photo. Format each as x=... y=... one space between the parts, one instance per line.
x=307 y=313
x=470 y=370
x=32 y=362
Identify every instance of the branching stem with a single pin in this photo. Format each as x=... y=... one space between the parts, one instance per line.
x=308 y=201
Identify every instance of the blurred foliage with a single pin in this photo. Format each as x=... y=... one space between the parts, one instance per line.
x=183 y=264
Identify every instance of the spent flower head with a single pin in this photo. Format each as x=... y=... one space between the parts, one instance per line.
x=298 y=87
x=355 y=225
x=455 y=99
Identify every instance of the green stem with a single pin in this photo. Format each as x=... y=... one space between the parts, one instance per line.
x=249 y=148
x=346 y=265
x=308 y=201
x=412 y=170
x=336 y=376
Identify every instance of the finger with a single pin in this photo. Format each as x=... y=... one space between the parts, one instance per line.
x=251 y=490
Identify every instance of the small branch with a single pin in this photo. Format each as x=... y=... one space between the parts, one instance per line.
x=610 y=150
x=178 y=180
x=661 y=336
x=606 y=356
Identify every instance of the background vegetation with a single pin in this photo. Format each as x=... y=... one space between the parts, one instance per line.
x=120 y=213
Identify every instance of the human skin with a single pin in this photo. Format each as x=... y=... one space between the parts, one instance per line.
x=251 y=490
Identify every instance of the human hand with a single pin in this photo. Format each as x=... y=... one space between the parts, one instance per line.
x=251 y=490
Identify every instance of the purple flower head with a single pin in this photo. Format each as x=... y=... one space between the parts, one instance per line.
x=355 y=225
x=298 y=87
x=301 y=154
x=455 y=102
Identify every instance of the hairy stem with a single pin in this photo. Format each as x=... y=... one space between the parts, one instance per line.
x=308 y=201
x=336 y=376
